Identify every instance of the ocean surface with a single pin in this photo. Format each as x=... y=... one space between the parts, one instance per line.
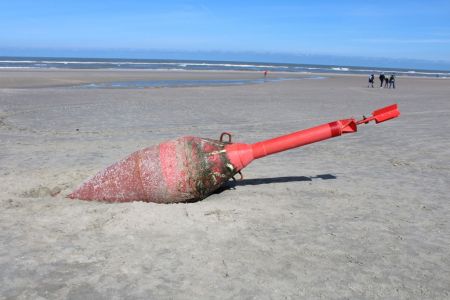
x=154 y=64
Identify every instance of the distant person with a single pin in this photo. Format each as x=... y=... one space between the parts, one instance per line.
x=265 y=74
x=386 y=81
x=382 y=77
x=371 y=79
x=392 y=81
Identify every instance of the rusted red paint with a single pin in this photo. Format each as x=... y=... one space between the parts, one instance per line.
x=175 y=171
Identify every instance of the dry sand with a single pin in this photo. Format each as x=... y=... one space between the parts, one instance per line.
x=361 y=216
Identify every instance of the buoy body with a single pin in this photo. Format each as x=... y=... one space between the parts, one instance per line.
x=191 y=168
x=188 y=168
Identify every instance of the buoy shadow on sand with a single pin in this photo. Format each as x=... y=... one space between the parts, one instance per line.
x=230 y=185
x=258 y=181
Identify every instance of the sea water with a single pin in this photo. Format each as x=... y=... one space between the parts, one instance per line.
x=155 y=64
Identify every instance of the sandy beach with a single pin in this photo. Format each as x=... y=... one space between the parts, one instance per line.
x=363 y=216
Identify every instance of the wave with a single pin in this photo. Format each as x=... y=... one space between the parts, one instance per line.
x=235 y=65
x=340 y=69
x=18 y=61
x=404 y=72
x=8 y=67
x=181 y=64
x=87 y=62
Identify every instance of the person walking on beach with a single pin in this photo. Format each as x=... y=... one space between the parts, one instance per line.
x=386 y=81
x=371 y=79
x=382 y=77
x=392 y=81
x=265 y=73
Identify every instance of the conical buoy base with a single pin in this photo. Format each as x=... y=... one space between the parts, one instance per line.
x=137 y=177
x=185 y=169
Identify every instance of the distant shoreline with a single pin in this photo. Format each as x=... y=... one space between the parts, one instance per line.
x=38 y=63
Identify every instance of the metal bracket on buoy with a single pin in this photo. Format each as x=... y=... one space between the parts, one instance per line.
x=225 y=134
x=230 y=142
x=242 y=177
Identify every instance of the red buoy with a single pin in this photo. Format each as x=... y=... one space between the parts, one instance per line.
x=191 y=168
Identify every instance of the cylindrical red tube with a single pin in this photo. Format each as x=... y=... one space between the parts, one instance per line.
x=297 y=139
x=240 y=155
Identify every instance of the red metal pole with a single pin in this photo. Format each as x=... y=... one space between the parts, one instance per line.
x=297 y=139
x=241 y=155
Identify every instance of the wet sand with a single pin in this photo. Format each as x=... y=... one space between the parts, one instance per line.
x=360 y=216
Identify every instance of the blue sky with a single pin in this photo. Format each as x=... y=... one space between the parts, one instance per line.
x=349 y=32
